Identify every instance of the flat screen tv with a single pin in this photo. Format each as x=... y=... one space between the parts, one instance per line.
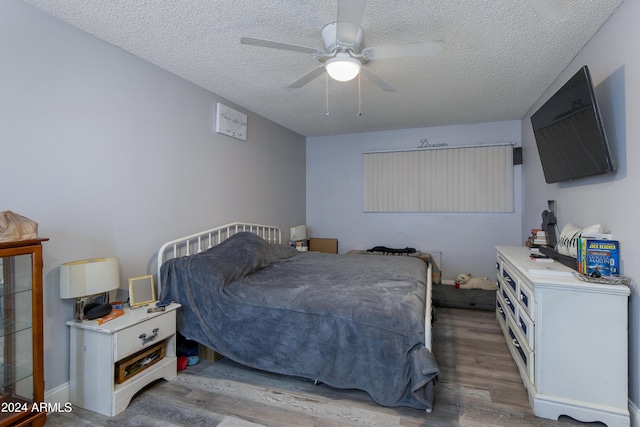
x=569 y=133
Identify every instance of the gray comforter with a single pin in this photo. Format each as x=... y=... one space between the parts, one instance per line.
x=349 y=321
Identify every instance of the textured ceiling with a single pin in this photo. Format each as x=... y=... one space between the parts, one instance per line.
x=499 y=56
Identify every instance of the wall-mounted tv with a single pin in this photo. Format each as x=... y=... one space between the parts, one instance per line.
x=569 y=133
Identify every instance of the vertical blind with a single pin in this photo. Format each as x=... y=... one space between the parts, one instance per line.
x=458 y=179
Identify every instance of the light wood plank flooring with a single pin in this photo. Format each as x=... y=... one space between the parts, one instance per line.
x=479 y=386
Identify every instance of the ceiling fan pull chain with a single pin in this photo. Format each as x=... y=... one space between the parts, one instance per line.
x=359 y=98
x=326 y=113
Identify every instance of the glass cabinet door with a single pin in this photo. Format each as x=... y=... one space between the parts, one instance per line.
x=21 y=359
x=16 y=333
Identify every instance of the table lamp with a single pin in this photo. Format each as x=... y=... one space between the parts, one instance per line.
x=298 y=235
x=87 y=279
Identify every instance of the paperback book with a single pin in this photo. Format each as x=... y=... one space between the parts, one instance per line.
x=602 y=258
x=536 y=256
x=582 y=248
x=114 y=313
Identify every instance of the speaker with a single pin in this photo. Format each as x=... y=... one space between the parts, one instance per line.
x=94 y=310
x=517 y=155
x=549 y=226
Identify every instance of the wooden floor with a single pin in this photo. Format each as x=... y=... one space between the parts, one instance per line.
x=479 y=386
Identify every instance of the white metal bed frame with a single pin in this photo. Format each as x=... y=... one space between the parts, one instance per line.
x=198 y=242
x=203 y=240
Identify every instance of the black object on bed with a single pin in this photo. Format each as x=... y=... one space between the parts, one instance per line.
x=349 y=321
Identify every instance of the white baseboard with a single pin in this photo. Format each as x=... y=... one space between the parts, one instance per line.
x=59 y=394
x=634 y=413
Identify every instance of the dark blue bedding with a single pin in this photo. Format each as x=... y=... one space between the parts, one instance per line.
x=349 y=321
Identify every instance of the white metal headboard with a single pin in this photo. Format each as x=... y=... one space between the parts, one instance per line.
x=198 y=242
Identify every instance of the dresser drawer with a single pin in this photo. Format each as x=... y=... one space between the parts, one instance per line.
x=523 y=355
x=525 y=326
x=506 y=304
x=510 y=305
x=509 y=279
x=526 y=299
x=144 y=334
x=500 y=309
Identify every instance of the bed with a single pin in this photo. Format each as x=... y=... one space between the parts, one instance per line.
x=349 y=321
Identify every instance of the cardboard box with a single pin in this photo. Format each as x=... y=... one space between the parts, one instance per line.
x=328 y=246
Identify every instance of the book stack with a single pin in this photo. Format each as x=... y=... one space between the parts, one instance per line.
x=598 y=255
x=538 y=256
x=538 y=238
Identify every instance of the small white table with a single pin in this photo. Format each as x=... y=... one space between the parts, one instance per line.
x=95 y=349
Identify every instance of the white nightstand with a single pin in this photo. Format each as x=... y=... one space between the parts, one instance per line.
x=95 y=350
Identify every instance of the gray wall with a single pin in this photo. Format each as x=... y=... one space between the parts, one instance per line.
x=113 y=156
x=612 y=57
x=466 y=240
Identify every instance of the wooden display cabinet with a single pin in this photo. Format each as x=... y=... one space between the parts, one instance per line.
x=22 y=392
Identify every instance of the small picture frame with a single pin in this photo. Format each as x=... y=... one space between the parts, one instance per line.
x=231 y=122
x=141 y=291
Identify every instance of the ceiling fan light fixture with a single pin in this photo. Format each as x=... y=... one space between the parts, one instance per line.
x=343 y=67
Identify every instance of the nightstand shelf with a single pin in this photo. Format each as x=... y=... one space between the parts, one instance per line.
x=95 y=350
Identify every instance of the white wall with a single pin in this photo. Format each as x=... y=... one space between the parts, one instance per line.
x=113 y=156
x=612 y=200
x=334 y=200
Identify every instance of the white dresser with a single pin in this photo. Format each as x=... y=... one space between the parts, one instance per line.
x=568 y=338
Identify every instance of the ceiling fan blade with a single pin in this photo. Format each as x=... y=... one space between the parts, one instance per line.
x=277 y=45
x=429 y=48
x=307 y=78
x=351 y=11
x=376 y=80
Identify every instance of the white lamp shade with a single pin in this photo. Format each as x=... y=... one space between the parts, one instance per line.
x=89 y=277
x=343 y=67
x=299 y=232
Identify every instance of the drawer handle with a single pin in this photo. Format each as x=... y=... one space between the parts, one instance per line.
x=500 y=310
x=515 y=342
x=144 y=338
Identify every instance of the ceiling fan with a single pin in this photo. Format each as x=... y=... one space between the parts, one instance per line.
x=344 y=54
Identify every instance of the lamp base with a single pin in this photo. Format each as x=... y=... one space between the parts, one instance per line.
x=350 y=36
x=88 y=303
